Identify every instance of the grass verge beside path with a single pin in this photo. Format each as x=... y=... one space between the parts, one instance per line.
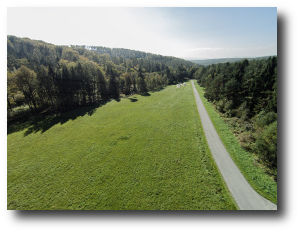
x=141 y=153
x=255 y=175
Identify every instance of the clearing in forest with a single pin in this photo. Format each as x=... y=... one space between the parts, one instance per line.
x=143 y=152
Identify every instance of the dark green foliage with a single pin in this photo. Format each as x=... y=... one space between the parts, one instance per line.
x=266 y=135
x=142 y=83
x=262 y=119
x=127 y=84
x=266 y=144
x=246 y=90
x=181 y=74
x=113 y=88
x=101 y=84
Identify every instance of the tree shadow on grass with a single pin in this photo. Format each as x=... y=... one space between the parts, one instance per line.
x=145 y=94
x=134 y=99
x=44 y=121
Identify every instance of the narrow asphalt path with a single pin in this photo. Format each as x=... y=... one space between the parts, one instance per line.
x=245 y=196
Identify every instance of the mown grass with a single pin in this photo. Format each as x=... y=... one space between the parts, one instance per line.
x=148 y=154
x=256 y=176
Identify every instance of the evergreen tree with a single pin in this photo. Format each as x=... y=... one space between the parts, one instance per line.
x=114 y=88
x=142 y=84
x=101 y=85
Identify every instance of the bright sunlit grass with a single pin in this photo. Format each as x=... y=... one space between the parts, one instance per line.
x=147 y=152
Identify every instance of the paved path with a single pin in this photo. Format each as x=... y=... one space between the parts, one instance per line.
x=245 y=196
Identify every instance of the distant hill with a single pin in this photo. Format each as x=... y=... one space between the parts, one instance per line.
x=37 y=52
x=206 y=62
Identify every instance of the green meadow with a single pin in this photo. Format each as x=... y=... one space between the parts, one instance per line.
x=143 y=152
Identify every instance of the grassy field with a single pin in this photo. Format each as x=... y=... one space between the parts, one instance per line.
x=255 y=175
x=143 y=152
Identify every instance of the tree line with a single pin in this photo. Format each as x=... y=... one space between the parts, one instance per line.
x=246 y=92
x=59 y=78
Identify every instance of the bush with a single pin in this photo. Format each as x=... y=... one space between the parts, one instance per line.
x=246 y=139
x=228 y=105
x=243 y=112
x=228 y=108
x=220 y=105
x=263 y=119
x=18 y=113
x=266 y=144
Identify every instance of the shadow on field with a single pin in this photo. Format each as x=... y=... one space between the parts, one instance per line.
x=134 y=99
x=146 y=94
x=44 y=121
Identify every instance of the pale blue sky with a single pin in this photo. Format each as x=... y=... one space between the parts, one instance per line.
x=191 y=33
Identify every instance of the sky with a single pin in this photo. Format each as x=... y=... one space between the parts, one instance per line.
x=189 y=33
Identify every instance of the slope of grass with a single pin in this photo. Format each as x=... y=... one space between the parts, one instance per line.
x=255 y=175
x=144 y=152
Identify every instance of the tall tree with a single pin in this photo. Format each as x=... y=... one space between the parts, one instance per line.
x=101 y=83
x=26 y=82
x=114 y=87
x=142 y=84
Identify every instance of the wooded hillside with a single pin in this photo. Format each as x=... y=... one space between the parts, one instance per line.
x=58 y=78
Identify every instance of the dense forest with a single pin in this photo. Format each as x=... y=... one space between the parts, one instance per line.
x=46 y=77
x=245 y=93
